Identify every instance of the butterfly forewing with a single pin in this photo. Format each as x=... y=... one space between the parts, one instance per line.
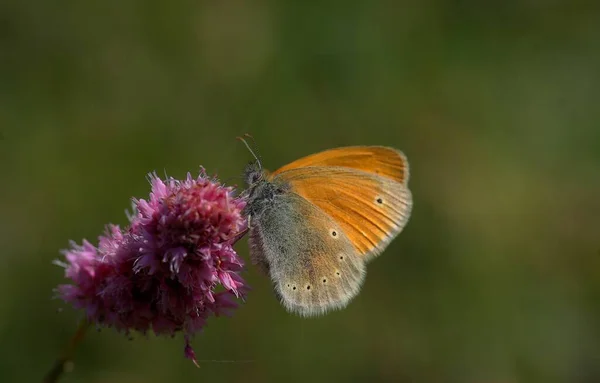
x=371 y=209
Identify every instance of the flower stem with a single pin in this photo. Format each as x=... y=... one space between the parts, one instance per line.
x=62 y=363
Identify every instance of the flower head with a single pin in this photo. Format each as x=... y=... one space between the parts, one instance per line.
x=172 y=268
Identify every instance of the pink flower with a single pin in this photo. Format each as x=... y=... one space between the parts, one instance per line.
x=162 y=272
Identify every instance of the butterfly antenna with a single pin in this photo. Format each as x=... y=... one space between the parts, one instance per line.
x=254 y=145
x=249 y=148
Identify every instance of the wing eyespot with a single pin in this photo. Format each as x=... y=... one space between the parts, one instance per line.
x=379 y=201
x=307 y=287
x=333 y=233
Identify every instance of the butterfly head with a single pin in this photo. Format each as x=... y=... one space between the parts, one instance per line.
x=262 y=189
x=253 y=173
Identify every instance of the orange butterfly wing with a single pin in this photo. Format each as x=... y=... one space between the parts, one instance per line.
x=381 y=160
x=369 y=202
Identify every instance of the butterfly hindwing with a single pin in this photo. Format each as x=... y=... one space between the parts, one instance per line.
x=312 y=263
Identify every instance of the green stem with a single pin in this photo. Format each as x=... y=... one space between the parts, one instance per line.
x=61 y=364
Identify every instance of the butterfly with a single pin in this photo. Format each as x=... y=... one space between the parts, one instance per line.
x=315 y=223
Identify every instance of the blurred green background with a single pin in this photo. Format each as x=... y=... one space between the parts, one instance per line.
x=496 y=278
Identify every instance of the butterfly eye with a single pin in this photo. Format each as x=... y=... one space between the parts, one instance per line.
x=254 y=178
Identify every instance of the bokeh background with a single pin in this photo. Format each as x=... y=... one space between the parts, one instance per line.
x=496 y=278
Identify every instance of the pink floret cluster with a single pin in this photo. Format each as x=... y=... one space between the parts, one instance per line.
x=171 y=269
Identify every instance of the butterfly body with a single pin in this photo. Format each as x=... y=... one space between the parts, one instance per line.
x=316 y=222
